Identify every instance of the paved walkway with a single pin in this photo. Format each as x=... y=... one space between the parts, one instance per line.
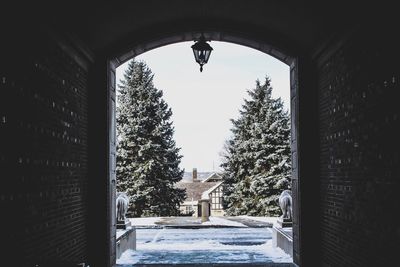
x=181 y=222
x=215 y=222
x=207 y=246
x=249 y=222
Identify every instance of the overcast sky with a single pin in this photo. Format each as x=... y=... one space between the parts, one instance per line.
x=204 y=102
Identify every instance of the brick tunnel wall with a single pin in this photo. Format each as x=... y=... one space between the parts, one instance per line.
x=359 y=84
x=43 y=158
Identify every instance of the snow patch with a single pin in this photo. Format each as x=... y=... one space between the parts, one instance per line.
x=228 y=253
x=222 y=222
x=272 y=220
x=204 y=245
x=146 y=221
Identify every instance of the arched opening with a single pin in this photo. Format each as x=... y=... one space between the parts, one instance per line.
x=352 y=56
x=152 y=43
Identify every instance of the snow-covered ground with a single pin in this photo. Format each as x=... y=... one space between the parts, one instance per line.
x=261 y=219
x=184 y=221
x=204 y=245
x=146 y=221
x=220 y=221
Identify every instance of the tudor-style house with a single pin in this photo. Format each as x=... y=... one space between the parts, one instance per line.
x=202 y=185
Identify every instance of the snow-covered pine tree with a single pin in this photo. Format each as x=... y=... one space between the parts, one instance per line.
x=147 y=156
x=257 y=158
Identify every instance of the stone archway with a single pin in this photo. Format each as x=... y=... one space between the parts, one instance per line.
x=128 y=52
x=338 y=62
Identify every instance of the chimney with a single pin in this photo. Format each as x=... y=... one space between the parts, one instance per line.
x=195 y=175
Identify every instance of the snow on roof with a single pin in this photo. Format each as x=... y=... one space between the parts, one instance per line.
x=213 y=176
x=200 y=175
x=206 y=194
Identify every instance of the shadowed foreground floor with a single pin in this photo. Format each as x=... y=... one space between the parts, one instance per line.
x=205 y=247
x=213 y=265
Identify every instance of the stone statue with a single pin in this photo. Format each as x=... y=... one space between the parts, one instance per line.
x=122 y=203
x=285 y=202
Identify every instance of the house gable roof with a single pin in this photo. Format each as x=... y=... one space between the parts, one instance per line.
x=194 y=191
x=206 y=194
x=213 y=177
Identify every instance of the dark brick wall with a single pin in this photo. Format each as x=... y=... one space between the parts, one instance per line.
x=359 y=85
x=43 y=155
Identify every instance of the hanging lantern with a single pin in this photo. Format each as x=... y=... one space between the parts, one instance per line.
x=202 y=51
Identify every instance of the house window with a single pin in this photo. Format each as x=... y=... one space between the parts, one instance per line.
x=189 y=209
x=216 y=199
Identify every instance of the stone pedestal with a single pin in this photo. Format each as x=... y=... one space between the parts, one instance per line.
x=123 y=224
x=282 y=237
x=283 y=222
x=205 y=210
x=126 y=239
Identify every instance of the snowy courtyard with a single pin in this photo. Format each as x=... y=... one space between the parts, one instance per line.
x=204 y=245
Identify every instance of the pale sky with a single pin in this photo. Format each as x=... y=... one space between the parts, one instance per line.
x=204 y=102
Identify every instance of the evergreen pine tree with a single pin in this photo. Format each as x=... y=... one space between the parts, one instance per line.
x=147 y=156
x=257 y=157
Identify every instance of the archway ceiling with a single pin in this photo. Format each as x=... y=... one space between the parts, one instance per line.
x=300 y=25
